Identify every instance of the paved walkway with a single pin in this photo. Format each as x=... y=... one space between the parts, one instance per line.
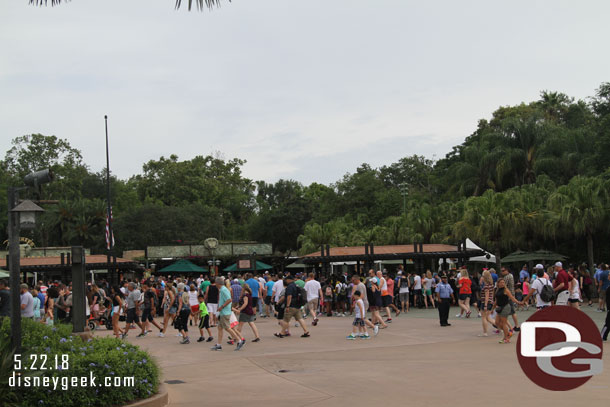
x=414 y=362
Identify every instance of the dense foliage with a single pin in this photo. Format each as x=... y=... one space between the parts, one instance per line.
x=533 y=176
x=100 y=357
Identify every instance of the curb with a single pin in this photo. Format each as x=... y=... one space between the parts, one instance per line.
x=161 y=399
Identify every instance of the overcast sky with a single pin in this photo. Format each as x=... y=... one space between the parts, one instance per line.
x=306 y=89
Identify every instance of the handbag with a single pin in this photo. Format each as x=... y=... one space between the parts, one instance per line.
x=233 y=320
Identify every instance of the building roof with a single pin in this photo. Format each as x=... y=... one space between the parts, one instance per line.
x=92 y=262
x=413 y=251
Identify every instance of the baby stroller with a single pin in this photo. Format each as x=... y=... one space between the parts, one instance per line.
x=104 y=318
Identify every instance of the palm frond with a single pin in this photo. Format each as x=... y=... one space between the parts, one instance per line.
x=199 y=4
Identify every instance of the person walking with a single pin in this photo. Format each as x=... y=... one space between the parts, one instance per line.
x=376 y=303
x=464 y=284
x=269 y=296
x=149 y=310
x=246 y=312
x=293 y=306
x=504 y=308
x=606 y=327
x=561 y=284
x=604 y=284
x=403 y=291
x=169 y=305
x=117 y=308
x=204 y=320
x=444 y=297
x=358 y=326
x=184 y=312
x=133 y=301
x=224 y=315
x=487 y=301
x=428 y=281
x=510 y=285
x=314 y=293
x=256 y=290
x=536 y=288
x=211 y=301
x=575 y=297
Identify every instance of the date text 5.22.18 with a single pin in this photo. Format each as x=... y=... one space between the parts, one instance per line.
x=41 y=362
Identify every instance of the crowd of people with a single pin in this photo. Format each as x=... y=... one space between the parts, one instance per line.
x=199 y=304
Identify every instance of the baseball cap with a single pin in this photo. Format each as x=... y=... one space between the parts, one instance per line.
x=558 y=264
x=539 y=266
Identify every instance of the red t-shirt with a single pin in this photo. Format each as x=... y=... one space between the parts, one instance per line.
x=465 y=288
x=563 y=277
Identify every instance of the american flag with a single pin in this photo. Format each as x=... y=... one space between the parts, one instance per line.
x=108 y=230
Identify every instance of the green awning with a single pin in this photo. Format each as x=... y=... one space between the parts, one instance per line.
x=4 y=273
x=183 y=266
x=259 y=266
x=539 y=255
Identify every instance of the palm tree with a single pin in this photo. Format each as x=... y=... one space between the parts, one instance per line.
x=200 y=4
x=486 y=219
x=314 y=236
x=582 y=206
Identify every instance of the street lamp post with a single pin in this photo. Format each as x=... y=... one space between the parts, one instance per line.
x=403 y=191
x=20 y=216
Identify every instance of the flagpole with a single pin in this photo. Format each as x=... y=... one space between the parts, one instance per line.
x=110 y=238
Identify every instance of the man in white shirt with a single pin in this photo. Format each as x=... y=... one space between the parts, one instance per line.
x=416 y=289
x=536 y=288
x=314 y=292
x=277 y=289
x=261 y=283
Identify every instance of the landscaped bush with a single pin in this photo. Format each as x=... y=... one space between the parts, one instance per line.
x=100 y=357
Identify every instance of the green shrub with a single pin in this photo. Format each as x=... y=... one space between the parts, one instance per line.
x=101 y=357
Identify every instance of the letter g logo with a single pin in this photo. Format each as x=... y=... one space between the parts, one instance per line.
x=554 y=346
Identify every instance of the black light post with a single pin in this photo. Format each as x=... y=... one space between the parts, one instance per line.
x=20 y=215
x=110 y=244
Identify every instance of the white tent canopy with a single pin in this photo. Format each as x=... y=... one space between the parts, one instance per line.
x=481 y=259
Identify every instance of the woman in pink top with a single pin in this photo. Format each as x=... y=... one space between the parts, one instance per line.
x=526 y=290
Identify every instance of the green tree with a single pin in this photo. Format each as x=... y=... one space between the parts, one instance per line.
x=582 y=207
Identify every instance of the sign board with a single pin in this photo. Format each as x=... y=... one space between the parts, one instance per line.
x=244 y=264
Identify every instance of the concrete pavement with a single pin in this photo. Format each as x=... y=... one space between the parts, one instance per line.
x=413 y=361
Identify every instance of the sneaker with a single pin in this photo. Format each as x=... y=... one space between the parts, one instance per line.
x=458 y=316
x=351 y=337
x=497 y=331
x=185 y=341
x=123 y=336
x=315 y=322
x=468 y=314
x=256 y=340
x=367 y=336
x=216 y=347
x=231 y=342
x=141 y=335
x=161 y=335
x=389 y=320
x=178 y=334
x=376 y=330
x=517 y=329
x=240 y=344
x=210 y=339
x=201 y=339
x=479 y=315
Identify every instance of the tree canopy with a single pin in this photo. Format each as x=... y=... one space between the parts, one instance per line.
x=532 y=176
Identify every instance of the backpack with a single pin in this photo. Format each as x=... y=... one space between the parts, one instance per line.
x=342 y=289
x=301 y=297
x=547 y=293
